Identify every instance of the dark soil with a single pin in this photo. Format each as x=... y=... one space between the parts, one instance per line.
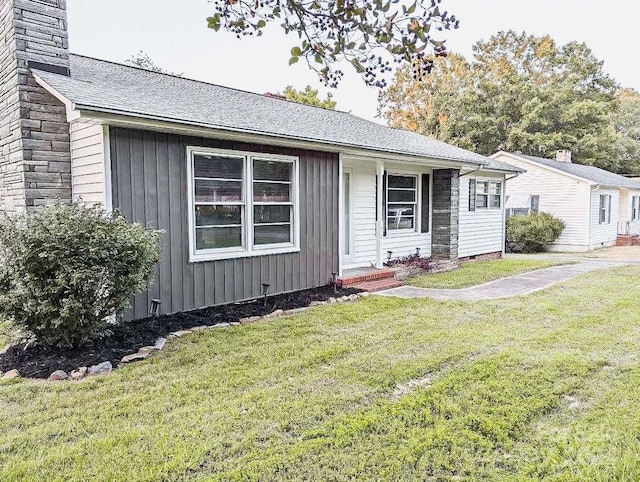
x=37 y=361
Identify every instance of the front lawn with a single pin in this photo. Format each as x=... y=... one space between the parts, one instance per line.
x=380 y=389
x=474 y=273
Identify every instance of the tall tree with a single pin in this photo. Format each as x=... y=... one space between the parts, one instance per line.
x=627 y=124
x=141 y=59
x=369 y=34
x=308 y=96
x=520 y=92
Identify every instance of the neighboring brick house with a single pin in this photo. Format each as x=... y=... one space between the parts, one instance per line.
x=247 y=188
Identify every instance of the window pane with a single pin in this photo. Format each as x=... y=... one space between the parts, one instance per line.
x=272 y=170
x=494 y=201
x=482 y=187
x=401 y=196
x=217 y=215
x=271 y=193
x=481 y=201
x=272 y=234
x=495 y=188
x=207 y=238
x=396 y=210
x=401 y=181
x=400 y=223
x=218 y=191
x=217 y=166
x=271 y=214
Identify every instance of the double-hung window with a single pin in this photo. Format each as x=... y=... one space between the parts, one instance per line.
x=488 y=194
x=241 y=204
x=604 y=211
x=402 y=202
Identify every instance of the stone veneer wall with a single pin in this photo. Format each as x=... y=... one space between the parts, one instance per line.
x=35 y=161
x=445 y=220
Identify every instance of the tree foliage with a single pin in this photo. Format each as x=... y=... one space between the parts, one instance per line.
x=369 y=34
x=627 y=124
x=67 y=268
x=518 y=93
x=141 y=59
x=308 y=96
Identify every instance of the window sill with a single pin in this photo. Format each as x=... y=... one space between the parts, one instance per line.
x=203 y=257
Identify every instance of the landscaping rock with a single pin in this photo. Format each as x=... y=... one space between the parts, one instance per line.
x=235 y=323
x=273 y=314
x=343 y=298
x=200 y=328
x=78 y=373
x=134 y=357
x=250 y=319
x=180 y=333
x=364 y=294
x=353 y=297
x=100 y=369
x=221 y=325
x=296 y=310
x=159 y=344
x=317 y=303
x=332 y=300
x=147 y=350
x=58 y=375
x=11 y=374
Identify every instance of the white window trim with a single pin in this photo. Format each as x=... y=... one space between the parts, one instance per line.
x=248 y=250
x=488 y=195
x=607 y=208
x=418 y=206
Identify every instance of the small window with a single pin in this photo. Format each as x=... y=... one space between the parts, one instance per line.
x=243 y=204
x=495 y=194
x=402 y=202
x=604 y=212
x=482 y=194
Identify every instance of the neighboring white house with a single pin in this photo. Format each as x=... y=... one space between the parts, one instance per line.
x=596 y=205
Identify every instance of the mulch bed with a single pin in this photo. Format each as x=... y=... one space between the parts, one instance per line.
x=37 y=361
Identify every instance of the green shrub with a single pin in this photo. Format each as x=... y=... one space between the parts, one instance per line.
x=532 y=233
x=65 y=269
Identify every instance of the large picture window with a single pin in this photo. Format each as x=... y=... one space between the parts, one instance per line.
x=402 y=202
x=242 y=204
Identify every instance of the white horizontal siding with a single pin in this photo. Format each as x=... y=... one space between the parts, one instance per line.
x=481 y=231
x=363 y=186
x=604 y=234
x=562 y=196
x=88 y=163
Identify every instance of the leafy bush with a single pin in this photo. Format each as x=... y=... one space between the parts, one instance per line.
x=67 y=268
x=532 y=233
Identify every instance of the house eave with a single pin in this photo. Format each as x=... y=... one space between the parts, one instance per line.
x=139 y=121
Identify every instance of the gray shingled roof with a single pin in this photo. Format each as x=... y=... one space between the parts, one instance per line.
x=590 y=173
x=98 y=85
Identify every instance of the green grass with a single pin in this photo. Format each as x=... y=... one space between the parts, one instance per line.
x=547 y=392
x=477 y=272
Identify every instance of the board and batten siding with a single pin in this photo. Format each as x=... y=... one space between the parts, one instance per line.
x=562 y=196
x=88 y=162
x=604 y=234
x=480 y=231
x=149 y=182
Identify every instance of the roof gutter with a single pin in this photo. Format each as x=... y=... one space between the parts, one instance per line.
x=135 y=120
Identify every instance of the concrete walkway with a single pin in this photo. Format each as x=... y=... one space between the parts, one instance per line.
x=517 y=285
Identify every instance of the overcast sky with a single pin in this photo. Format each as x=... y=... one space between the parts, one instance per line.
x=175 y=35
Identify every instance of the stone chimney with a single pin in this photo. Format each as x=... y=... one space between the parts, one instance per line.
x=563 y=155
x=35 y=160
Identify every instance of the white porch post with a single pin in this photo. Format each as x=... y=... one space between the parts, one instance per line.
x=380 y=216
